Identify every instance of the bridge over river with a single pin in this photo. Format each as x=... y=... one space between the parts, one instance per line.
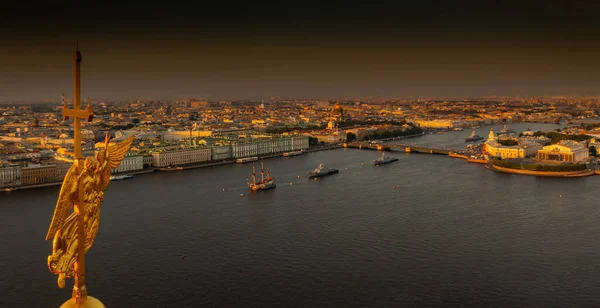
x=400 y=147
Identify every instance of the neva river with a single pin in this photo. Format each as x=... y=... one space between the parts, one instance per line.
x=451 y=233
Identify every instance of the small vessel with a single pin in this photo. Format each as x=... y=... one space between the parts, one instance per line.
x=473 y=137
x=384 y=159
x=246 y=160
x=292 y=153
x=265 y=183
x=505 y=131
x=321 y=171
x=171 y=168
x=121 y=177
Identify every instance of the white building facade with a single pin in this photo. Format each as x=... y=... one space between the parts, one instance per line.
x=221 y=152
x=565 y=151
x=39 y=174
x=130 y=163
x=10 y=175
x=181 y=157
x=263 y=146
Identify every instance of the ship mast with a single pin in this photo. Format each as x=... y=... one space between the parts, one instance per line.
x=262 y=171
x=253 y=174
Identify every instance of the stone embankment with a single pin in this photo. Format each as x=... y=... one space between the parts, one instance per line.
x=567 y=174
x=469 y=160
x=186 y=167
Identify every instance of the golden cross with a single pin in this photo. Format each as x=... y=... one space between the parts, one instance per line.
x=76 y=112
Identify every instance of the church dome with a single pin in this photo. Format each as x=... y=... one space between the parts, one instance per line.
x=338 y=108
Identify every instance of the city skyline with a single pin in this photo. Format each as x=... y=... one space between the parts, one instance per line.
x=309 y=51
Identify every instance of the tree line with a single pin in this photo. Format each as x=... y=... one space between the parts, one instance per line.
x=556 y=137
x=413 y=130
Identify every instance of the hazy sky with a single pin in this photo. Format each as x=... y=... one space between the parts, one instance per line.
x=300 y=49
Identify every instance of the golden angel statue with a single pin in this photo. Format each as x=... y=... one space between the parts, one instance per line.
x=83 y=190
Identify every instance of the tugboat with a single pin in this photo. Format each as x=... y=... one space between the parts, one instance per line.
x=384 y=159
x=473 y=137
x=321 y=171
x=265 y=183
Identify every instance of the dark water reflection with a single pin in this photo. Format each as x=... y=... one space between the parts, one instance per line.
x=452 y=234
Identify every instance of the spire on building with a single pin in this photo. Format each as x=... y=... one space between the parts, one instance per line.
x=491 y=136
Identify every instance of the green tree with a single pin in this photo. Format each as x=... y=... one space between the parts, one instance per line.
x=593 y=151
x=350 y=137
x=508 y=142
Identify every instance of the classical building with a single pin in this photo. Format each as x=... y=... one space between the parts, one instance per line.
x=147 y=160
x=439 y=123
x=10 y=175
x=338 y=113
x=39 y=174
x=62 y=169
x=566 y=150
x=221 y=152
x=333 y=137
x=180 y=157
x=130 y=163
x=262 y=146
x=525 y=148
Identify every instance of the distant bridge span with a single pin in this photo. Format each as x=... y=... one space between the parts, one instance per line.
x=403 y=147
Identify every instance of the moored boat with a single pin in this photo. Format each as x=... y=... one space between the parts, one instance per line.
x=246 y=160
x=292 y=153
x=265 y=183
x=384 y=159
x=321 y=171
x=121 y=177
x=171 y=168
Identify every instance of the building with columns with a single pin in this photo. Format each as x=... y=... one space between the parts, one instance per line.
x=270 y=145
x=39 y=174
x=525 y=148
x=564 y=151
x=130 y=163
x=180 y=157
x=221 y=152
x=10 y=175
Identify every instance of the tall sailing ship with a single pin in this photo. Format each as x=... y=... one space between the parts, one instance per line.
x=265 y=183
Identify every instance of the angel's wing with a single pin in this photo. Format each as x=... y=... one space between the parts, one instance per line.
x=113 y=155
x=64 y=203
